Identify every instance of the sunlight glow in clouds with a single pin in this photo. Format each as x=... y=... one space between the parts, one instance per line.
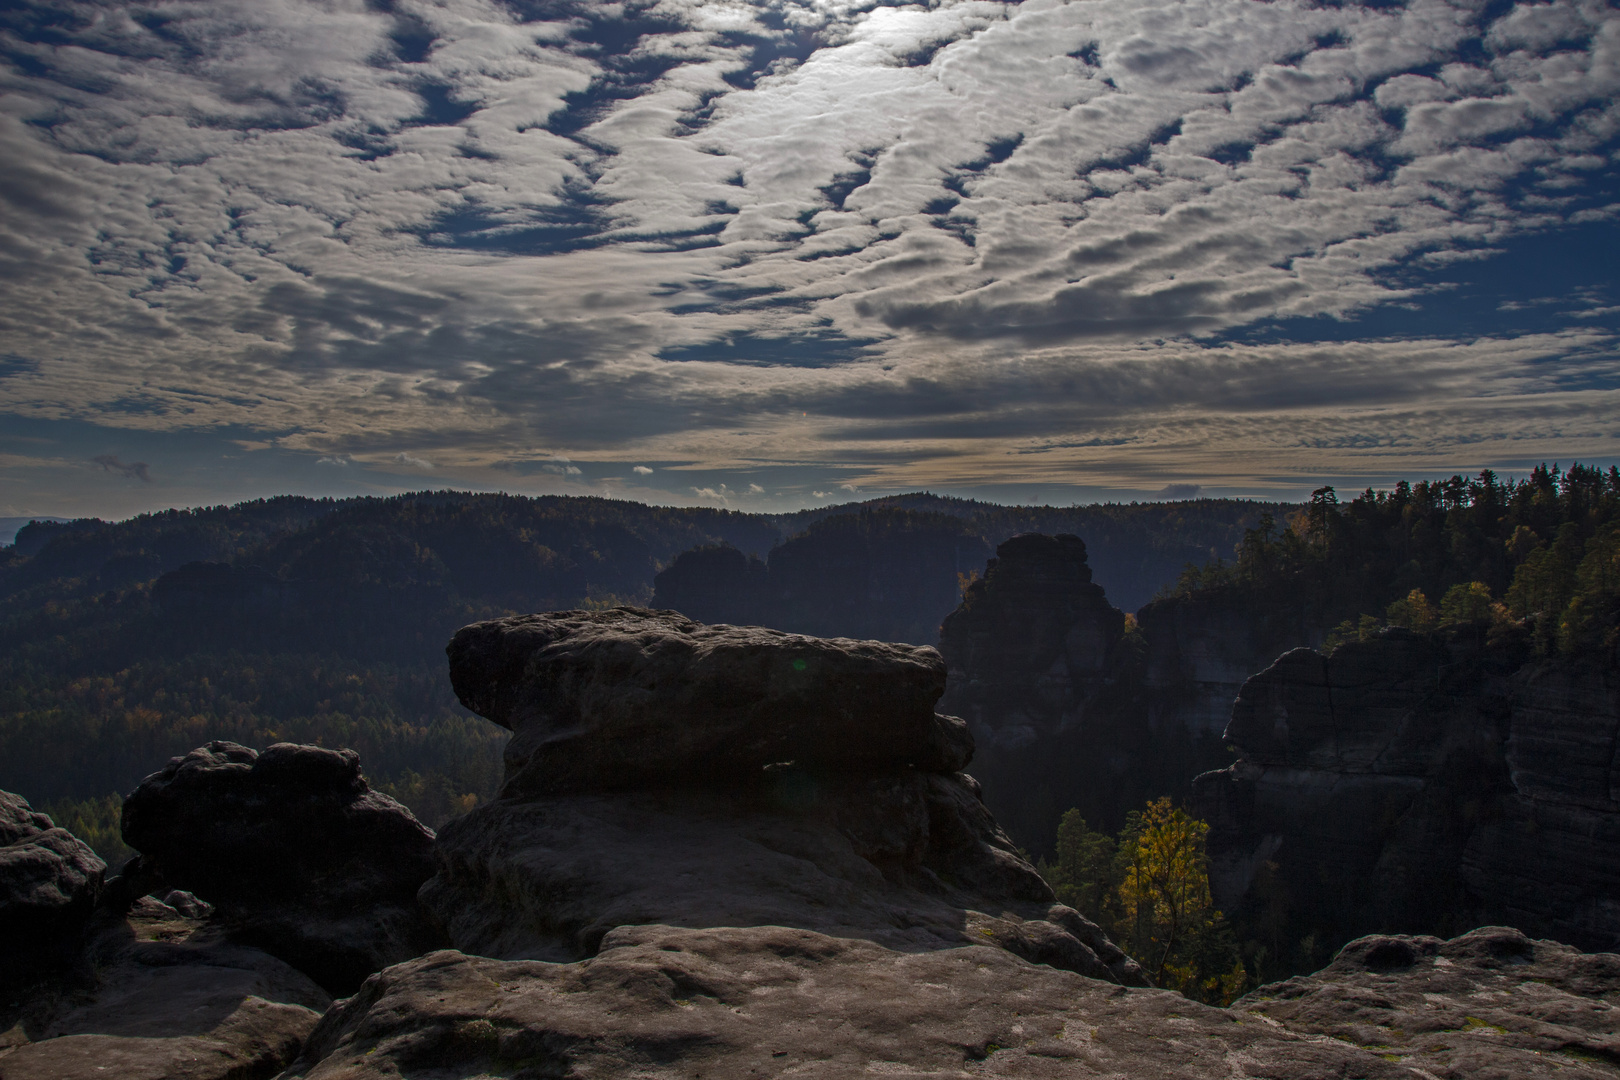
x=1104 y=242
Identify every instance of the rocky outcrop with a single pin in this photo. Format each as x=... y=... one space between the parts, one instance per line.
x=1201 y=647
x=161 y=996
x=1407 y=783
x=667 y=772
x=773 y=1001
x=1053 y=688
x=294 y=849
x=49 y=883
x=631 y=698
x=1031 y=641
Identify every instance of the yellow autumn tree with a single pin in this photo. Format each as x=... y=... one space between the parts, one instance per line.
x=1165 y=890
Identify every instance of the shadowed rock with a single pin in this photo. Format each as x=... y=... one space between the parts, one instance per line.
x=161 y=996
x=1404 y=783
x=629 y=698
x=49 y=883
x=294 y=849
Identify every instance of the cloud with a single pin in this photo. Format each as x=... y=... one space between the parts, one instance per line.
x=136 y=470
x=789 y=236
x=561 y=466
x=755 y=489
x=340 y=460
x=1179 y=491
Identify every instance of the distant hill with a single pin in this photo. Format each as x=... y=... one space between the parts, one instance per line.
x=10 y=525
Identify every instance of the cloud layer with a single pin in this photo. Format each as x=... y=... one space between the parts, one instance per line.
x=958 y=244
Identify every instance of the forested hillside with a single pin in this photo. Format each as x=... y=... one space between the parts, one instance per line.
x=1539 y=556
x=320 y=620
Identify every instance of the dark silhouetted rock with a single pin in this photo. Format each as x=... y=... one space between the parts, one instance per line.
x=161 y=997
x=49 y=883
x=772 y=1001
x=295 y=851
x=1405 y=784
x=1052 y=688
x=628 y=698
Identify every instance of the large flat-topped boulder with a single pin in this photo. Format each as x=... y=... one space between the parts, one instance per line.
x=631 y=698
x=296 y=851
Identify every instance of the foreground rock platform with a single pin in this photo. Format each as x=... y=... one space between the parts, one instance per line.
x=769 y=1001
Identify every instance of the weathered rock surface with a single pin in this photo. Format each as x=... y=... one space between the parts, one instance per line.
x=772 y=1001
x=783 y=780
x=294 y=849
x=49 y=883
x=161 y=997
x=1491 y=1003
x=629 y=698
x=1407 y=784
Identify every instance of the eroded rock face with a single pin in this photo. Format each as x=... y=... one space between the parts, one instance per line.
x=630 y=698
x=295 y=851
x=49 y=883
x=673 y=773
x=774 y=1001
x=1404 y=784
x=163 y=997
x=1492 y=1002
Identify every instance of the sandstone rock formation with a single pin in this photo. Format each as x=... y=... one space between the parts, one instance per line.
x=664 y=771
x=49 y=883
x=1405 y=783
x=1031 y=641
x=160 y=996
x=295 y=850
x=1202 y=647
x=1055 y=693
x=628 y=698
x=773 y=1001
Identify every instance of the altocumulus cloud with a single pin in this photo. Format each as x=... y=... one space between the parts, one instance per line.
x=948 y=245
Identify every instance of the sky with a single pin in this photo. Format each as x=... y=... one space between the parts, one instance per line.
x=770 y=253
